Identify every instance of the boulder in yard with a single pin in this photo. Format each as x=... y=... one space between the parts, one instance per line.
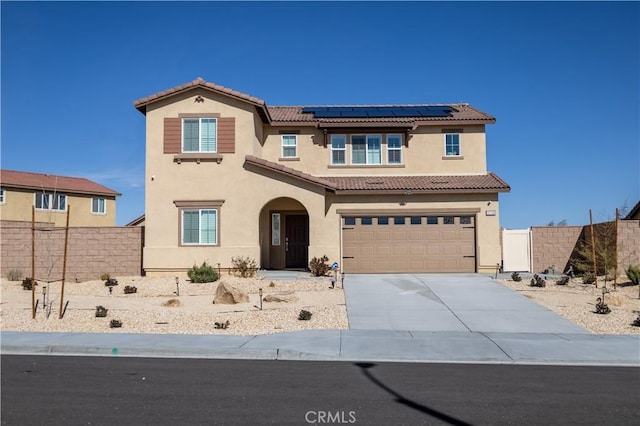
x=286 y=297
x=229 y=295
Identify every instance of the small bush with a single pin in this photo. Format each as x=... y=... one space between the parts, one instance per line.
x=130 y=289
x=304 y=315
x=588 y=278
x=272 y=284
x=101 y=311
x=636 y=322
x=203 y=274
x=537 y=281
x=243 y=266
x=633 y=273
x=28 y=283
x=221 y=325
x=110 y=282
x=516 y=277
x=105 y=277
x=14 y=275
x=564 y=280
x=319 y=267
x=602 y=308
x=115 y=323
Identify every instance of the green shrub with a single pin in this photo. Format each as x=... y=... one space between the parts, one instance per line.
x=636 y=322
x=564 y=280
x=516 y=277
x=633 y=273
x=221 y=325
x=304 y=315
x=14 y=275
x=319 y=267
x=602 y=308
x=243 y=266
x=28 y=283
x=110 y=282
x=588 y=278
x=130 y=289
x=537 y=281
x=115 y=323
x=101 y=311
x=203 y=274
x=105 y=277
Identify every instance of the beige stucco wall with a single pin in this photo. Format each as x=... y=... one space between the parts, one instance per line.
x=246 y=191
x=18 y=206
x=424 y=155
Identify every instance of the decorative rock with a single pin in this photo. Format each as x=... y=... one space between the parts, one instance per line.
x=286 y=297
x=229 y=295
x=171 y=303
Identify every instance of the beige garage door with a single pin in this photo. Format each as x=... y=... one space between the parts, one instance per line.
x=378 y=244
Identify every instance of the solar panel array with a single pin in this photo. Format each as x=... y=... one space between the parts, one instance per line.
x=380 y=111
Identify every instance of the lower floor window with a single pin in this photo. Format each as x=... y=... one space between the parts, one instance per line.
x=200 y=226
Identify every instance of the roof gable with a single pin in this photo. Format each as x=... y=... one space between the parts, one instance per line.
x=40 y=181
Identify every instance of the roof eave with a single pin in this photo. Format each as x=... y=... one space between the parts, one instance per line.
x=418 y=191
x=65 y=190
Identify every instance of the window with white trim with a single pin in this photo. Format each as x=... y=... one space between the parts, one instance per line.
x=199 y=227
x=98 y=205
x=365 y=149
x=394 y=149
x=289 y=146
x=452 y=144
x=3 y=196
x=338 y=149
x=46 y=201
x=199 y=135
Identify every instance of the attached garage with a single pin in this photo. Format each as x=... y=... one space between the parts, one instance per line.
x=420 y=243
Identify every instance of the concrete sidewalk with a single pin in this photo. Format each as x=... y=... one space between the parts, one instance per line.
x=344 y=345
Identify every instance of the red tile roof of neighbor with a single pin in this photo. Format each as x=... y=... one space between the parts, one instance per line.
x=487 y=183
x=293 y=115
x=27 y=180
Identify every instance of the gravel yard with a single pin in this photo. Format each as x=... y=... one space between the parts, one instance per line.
x=576 y=302
x=155 y=308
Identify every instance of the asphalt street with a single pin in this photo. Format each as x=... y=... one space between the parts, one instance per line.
x=67 y=390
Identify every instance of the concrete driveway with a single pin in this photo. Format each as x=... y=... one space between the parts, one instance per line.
x=445 y=302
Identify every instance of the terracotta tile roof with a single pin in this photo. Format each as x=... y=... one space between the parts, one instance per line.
x=292 y=115
x=462 y=112
x=26 y=180
x=141 y=104
x=488 y=183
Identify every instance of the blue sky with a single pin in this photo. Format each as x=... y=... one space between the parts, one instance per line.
x=562 y=79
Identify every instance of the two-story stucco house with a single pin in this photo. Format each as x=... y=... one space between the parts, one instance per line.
x=379 y=188
x=92 y=204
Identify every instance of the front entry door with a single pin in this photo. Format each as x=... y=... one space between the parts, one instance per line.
x=296 y=241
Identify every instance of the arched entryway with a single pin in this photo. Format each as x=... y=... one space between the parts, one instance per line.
x=284 y=234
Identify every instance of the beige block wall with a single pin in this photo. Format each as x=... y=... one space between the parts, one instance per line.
x=553 y=245
x=18 y=206
x=424 y=155
x=628 y=244
x=91 y=251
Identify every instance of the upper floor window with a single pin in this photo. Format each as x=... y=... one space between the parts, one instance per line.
x=200 y=227
x=365 y=149
x=3 y=196
x=199 y=135
x=452 y=144
x=46 y=201
x=338 y=149
x=98 y=205
x=394 y=149
x=289 y=146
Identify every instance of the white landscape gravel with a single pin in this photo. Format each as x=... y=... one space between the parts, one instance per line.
x=155 y=308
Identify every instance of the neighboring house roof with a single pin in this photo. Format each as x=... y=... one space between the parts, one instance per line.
x=487 y=183
x=27 y=180
x=461 y=113
x=634 y=213
x=137 y=221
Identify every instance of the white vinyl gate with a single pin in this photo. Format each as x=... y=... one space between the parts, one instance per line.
x=516 y=250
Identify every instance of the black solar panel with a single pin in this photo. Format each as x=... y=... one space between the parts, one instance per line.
x=380 y=112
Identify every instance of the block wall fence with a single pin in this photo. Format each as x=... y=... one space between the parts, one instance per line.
x=91 y=251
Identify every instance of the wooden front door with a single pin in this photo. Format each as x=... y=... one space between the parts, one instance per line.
x=296 y=241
